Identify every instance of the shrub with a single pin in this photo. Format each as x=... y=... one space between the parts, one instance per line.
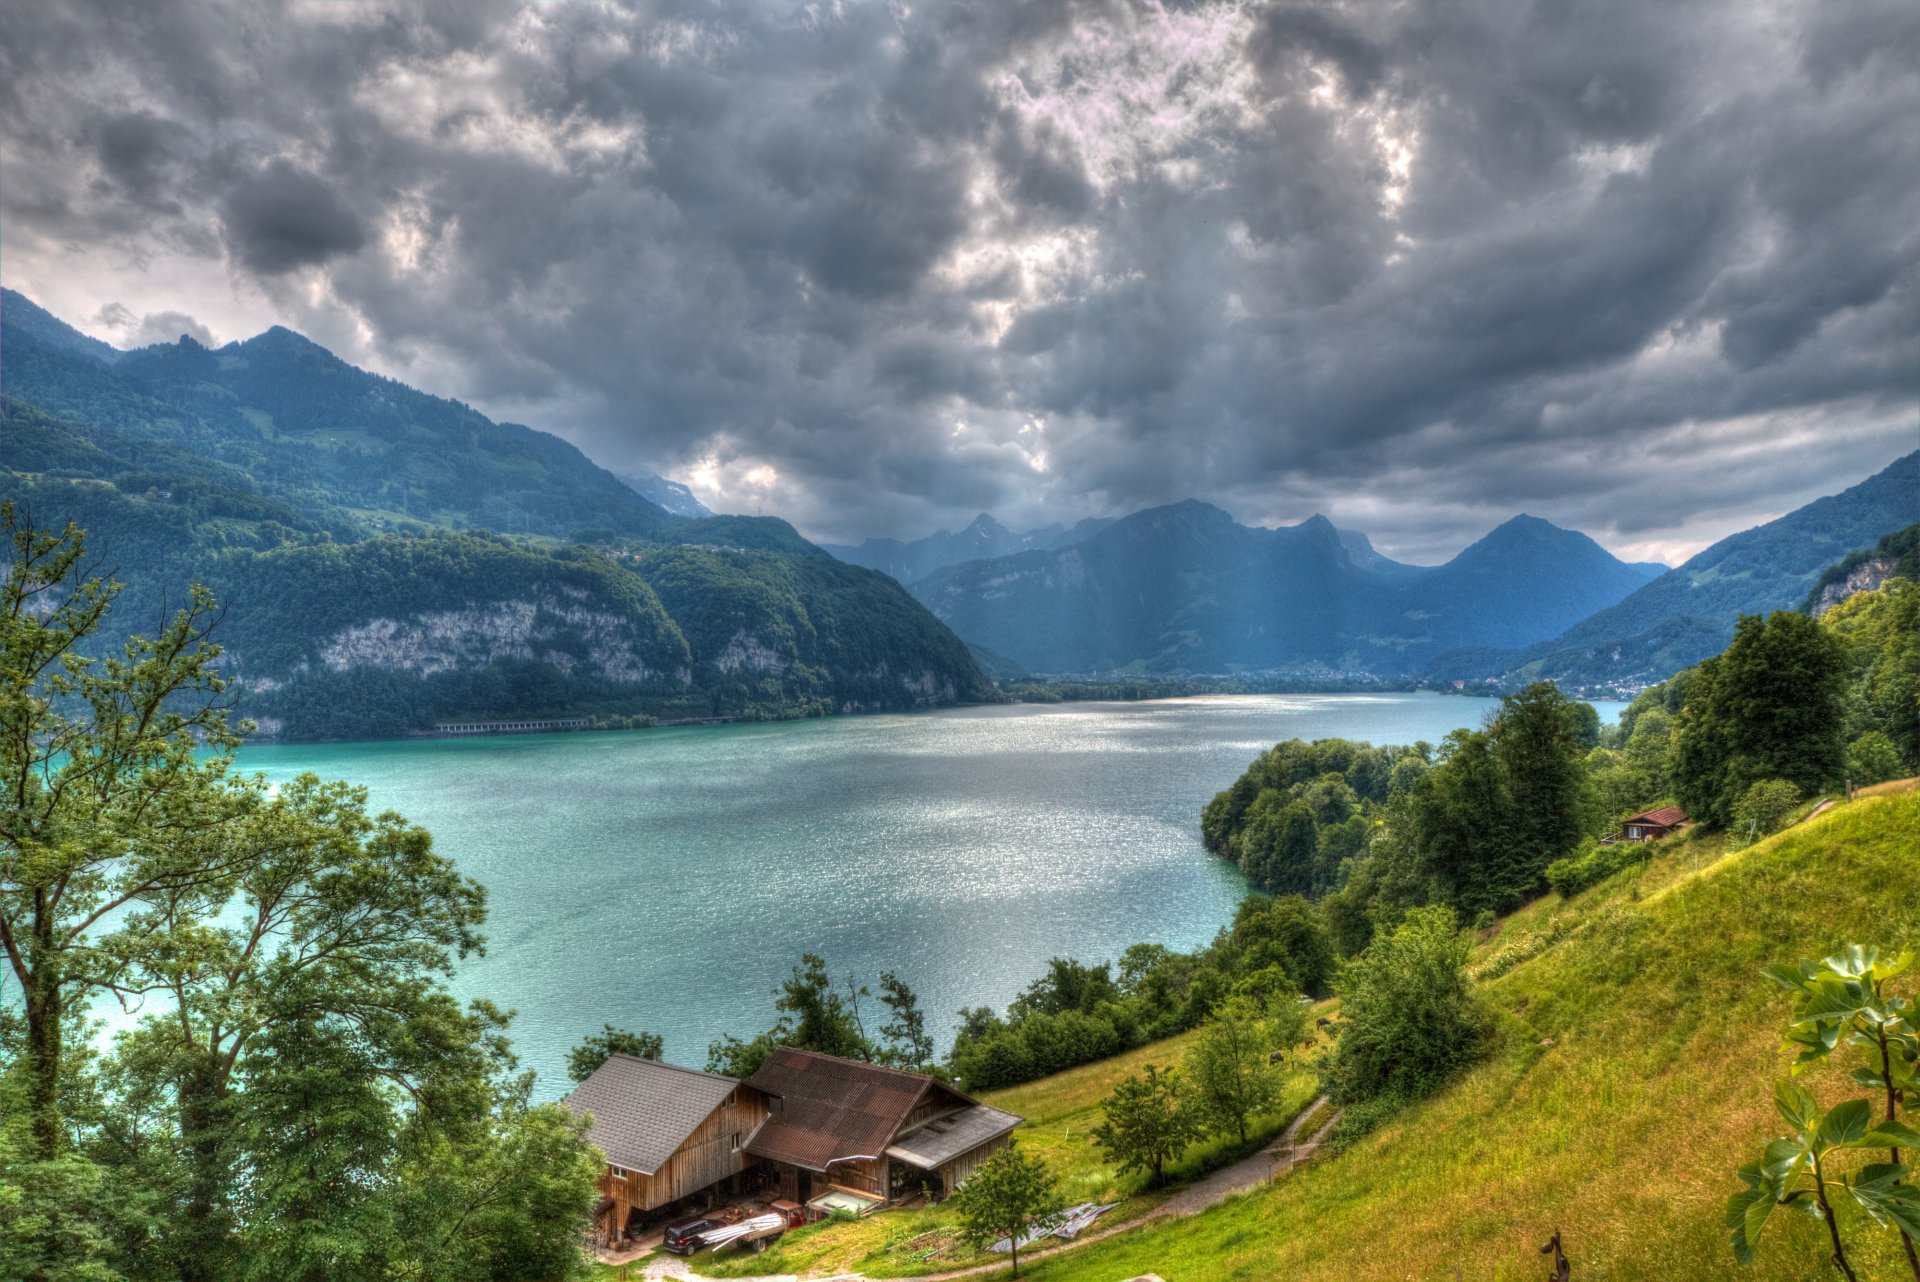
x=1409 y=1021
x=1763 y=807
x=1593 y=863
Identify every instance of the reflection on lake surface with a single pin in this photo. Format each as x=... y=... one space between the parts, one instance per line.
x=667 y=879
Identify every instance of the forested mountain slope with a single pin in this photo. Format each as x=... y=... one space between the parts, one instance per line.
x=1688 y=613
x=343 y=519
x=982 y=540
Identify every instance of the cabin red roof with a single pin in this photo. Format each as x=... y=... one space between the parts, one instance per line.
x=1664 y=817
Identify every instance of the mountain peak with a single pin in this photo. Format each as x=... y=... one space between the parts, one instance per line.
x=985 y=526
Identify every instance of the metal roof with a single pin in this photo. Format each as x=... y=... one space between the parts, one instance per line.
x=642 y=1110
x=944 y=1138
x=1664 y=817
x=832 y=1109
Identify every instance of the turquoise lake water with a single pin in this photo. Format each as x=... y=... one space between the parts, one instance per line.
x=668 y=879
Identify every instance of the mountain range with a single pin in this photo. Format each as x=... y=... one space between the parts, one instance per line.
x=1186 y=589
x=1688 y=613
x=982 y=540
x=389 y=559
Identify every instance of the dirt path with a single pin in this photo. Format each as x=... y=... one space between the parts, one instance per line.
x=1271 y=1162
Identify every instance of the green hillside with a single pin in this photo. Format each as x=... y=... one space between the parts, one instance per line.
x=390 y=559
x=1634 y=1072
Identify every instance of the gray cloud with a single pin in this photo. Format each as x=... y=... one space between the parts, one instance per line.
x=875 y=268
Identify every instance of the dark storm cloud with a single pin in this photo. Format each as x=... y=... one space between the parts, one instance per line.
x=282 y=218
x=878 y=266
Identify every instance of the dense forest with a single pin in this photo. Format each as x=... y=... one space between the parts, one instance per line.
x=390 y=560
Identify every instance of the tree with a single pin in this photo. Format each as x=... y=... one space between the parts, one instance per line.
x=1228 y=1065
x=1874 y=758
x=107 y=800
x=1541 y=741
x=597 y=1048
x=1408 y=1018
x=1007 y=1197
x=327 y=919
x=1287 y=932
x=1148 y=1122
x=1771 y=706
x=814 y=1016
x=909 y=1045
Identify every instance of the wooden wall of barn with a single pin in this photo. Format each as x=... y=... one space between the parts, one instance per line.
x=707 y=1156
x=953 y=1174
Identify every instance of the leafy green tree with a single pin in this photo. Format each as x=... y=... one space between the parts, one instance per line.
x=1148 y=1122
x=1408 y=1018
x=1541 y=739
x=908 y=1044
x=1763 y=807
x=597 y=1048
x=107 y=800
x=1287 y=932
x=1874 y=758
x=1771 y=706
x=814 y=1016
x=1010 y=1194
x=1229 y=1065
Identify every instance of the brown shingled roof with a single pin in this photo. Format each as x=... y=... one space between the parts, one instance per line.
x=834 y=1110
x=1665 y=817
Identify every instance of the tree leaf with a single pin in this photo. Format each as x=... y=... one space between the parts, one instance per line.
x=1889 y=1135
x=1844 y=1125
x=1796 y=1106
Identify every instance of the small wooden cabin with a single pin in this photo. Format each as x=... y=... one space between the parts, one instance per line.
x=877 y=1132
x=1651 y=825
x=668 y=1133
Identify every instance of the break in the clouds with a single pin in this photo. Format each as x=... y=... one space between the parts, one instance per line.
x=1645 y=268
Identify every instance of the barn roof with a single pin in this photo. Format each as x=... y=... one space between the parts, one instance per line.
x=1664 y=817
x=833 y=1109
x=945 y=1138
x=643 y=1110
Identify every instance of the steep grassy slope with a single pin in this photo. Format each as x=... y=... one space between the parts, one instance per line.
x=1634 y=1074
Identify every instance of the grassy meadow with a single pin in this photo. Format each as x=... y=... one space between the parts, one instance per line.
x=1633 y=1074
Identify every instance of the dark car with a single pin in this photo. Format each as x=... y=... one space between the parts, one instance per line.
x=683 y=1236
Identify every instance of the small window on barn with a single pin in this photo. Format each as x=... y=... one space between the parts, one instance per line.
x=619 y=1172
x=735 y=1141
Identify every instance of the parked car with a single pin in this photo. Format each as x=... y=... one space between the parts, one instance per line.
x=683 y=1236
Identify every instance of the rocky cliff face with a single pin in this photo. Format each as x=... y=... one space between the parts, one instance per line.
x=565 y=634
x=1865 y=577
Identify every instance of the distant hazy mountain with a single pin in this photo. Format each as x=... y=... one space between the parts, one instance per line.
x=1186 y=589
x=671 y=495
x=347 y=523
x=1687 y=614
x=984 y=539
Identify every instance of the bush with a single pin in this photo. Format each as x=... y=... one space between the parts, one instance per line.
x=1408 y=1020
x=1763 y=807
x=1593 y=863
x=1874 y=758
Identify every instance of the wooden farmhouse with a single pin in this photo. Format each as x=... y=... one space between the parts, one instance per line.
x=844 y=1133
x=1651 y=825
x=668 y=1134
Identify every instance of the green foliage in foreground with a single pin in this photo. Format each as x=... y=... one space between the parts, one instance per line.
x=1843 y=1000
x=308 y=1101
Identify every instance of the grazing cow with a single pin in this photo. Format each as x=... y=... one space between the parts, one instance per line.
x=1323 y=1022
x=1276 y=1057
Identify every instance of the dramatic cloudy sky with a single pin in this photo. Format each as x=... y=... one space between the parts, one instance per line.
x=1647 y=268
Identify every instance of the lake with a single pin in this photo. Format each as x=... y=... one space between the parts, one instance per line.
x=668 y=879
